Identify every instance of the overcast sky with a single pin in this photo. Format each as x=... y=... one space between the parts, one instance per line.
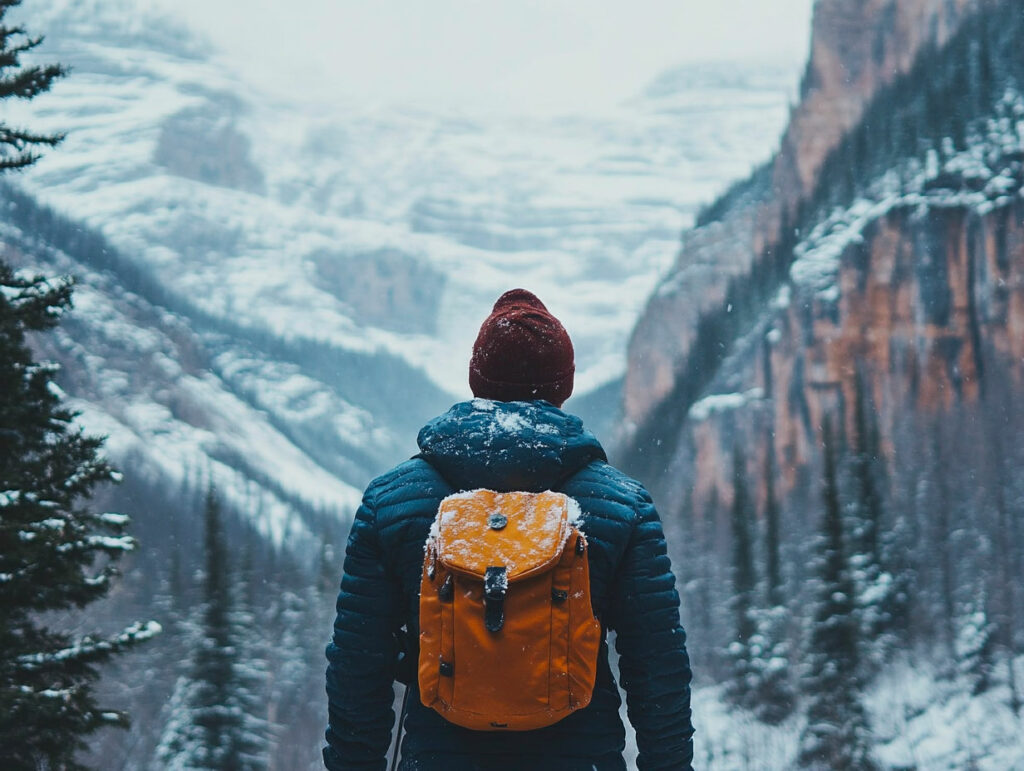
x=516 y=55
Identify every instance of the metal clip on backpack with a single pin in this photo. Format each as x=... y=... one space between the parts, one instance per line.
x=508 y=637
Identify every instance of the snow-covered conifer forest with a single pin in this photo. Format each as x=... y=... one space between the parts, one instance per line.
x=797 y=303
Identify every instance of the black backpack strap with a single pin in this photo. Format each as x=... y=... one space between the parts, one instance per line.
x=406 y=653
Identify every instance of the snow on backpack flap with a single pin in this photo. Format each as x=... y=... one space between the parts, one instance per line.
x=508 y=637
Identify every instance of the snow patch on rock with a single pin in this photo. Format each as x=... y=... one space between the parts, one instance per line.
x=709 y=405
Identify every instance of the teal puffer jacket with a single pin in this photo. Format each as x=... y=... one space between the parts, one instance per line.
x=506 y=446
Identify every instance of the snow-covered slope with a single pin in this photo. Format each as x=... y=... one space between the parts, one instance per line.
x=175 y=404
x=921 y=716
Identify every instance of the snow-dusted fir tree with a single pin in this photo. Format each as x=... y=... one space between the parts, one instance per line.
x=56 y=552
x=740 y=688
x=294 y=664
x=836 y=736
x=975 y=647
x=758 y=655
x=881 y=597
x=998 y=402
x=768 y=648
x=212 y=718
x=768 y=666
x=772 y=536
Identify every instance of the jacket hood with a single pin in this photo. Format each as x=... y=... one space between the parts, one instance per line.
x=504 y=446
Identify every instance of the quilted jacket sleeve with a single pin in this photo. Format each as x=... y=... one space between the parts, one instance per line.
x=653 y=663
x=360 y=671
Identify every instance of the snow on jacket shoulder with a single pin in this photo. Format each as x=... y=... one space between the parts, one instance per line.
x=506 y=446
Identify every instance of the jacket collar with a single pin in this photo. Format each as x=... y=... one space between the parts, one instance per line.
x=503 y=446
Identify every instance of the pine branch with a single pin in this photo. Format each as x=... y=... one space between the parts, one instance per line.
x=88 y=650
x=21 y=139
x=37 y=302
x=28 y=82
x=9 y=55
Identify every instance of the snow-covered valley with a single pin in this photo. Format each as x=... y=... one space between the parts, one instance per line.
x=377 y=234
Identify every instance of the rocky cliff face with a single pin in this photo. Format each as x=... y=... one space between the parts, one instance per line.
x=914 y=285
x=919 y=298
x=207 y=147
x=858 y=46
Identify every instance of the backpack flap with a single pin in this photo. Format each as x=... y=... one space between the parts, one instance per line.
x=524 y=533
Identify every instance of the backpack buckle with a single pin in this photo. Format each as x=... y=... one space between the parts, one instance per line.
x=495 y=589
x=447 y=591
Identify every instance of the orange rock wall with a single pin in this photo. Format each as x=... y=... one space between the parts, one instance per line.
x=857 y=47
x=913 y=298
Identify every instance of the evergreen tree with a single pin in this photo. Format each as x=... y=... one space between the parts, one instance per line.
x=941 y=529
x=769 y=651
x=17 y=145
x=55 y=552
x=769 y=666
x=740 y=688
x=167 y=601
x=868 y=504
x=882 y=578
x=996 y=404
x=295 y=665
x=758 y=655
x=212 y=721
x=773 y=556
x=836 y=736
x=702 y=588
x=252 y=656
x=975 y=648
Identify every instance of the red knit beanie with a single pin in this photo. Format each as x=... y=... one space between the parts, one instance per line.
x=522 y=353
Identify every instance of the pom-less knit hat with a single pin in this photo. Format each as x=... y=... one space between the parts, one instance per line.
x=522 y=353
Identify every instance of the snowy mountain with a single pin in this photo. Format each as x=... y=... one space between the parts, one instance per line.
x=321 y=258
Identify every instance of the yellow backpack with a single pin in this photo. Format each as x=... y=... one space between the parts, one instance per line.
x=508 y=637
